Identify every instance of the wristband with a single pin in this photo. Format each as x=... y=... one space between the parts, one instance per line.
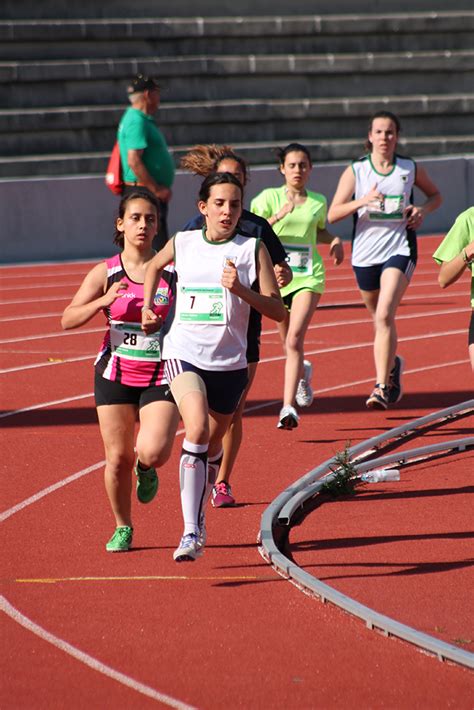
x=465 y=257
x=147 y=308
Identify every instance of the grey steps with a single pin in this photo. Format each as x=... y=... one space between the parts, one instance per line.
x=87 y=129
x=69 y=39
x=255 y=154
x=101 y=81
x=29 y=9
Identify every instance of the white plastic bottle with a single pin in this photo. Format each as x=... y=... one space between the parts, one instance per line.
x=382 y=474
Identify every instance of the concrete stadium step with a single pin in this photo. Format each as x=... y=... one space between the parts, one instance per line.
x=76 y=164
x=87 y=129
x=53 y=83
x=29 y=9
x=142 y=37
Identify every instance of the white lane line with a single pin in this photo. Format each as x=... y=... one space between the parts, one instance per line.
x=44 y=405
x=35 y=365
x=32 y=317
x=435 y=295
x=356 y=383
x=347 y=275
x=369 y=343
x=99 y=329
x=354 y=289
x=43 y=274
x=71 y=284
x=88 y=660
x=325 y=325
x=50 y=489
x=267 y=332
x=367 y=320
x=45 y=287
x=35 y=300
x=262 y=405
x=59 y=334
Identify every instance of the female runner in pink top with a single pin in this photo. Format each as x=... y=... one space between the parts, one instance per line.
x=129 y=373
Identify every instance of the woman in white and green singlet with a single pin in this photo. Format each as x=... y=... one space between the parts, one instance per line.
x=377 y=190
x=205 y=347
x=298 y=217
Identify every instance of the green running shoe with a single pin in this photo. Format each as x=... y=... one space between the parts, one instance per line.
x=147 y=483
x=121 y=540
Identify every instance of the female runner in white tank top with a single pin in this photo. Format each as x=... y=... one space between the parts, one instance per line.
x=205 y=347
x=377 y=190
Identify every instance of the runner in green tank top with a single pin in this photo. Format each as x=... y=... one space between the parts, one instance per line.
x=298 y=217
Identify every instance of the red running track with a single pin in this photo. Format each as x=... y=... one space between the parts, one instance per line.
x=90 y=629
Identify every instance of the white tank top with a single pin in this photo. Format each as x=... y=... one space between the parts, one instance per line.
x=380 y=230
x=209 y=327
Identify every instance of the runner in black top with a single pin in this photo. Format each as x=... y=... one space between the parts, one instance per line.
x=204 y=160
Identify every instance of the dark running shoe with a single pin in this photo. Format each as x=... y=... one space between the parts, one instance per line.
x=379 y=398
x=395 y=389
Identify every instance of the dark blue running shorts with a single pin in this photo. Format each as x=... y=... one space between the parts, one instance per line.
x=471 y=330
x=224 y=387
x=368 y=277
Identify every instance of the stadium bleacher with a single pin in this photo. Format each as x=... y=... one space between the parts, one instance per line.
x=313 y=71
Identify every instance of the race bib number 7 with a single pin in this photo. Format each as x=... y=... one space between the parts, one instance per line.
x=202 y=303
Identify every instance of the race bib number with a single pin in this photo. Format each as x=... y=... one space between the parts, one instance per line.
x=127 y=340
x=300 y=258
x=391 y=207
x=202 y=303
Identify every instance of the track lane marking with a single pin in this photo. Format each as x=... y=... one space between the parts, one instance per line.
x=262 y=405
x=314 y=326
x=146 y=578
x=88 y=660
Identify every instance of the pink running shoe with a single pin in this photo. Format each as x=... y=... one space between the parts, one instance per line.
x=222 y=495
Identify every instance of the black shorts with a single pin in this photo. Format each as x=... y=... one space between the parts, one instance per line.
x=224 y=388
x=109 y=392
x=471 y=329
x=253 y=336
x=368 y=277
x=289 y=298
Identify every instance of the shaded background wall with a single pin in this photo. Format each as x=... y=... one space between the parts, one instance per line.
x=48 y=219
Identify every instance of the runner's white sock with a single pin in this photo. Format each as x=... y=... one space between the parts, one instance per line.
x=192 y=480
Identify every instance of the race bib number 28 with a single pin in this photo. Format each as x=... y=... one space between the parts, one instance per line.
x=127 y=340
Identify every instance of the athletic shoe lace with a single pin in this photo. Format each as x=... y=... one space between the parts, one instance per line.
x=223 y=488
x=148 y=475
x=188 y=540
x=122 y=534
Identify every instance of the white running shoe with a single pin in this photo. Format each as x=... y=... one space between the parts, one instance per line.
x=189 y=548
x=304 y=393
x=288 y=418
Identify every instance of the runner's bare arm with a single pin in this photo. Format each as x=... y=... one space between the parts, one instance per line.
x=268 y=302
x=152 y=277
x=91 y=298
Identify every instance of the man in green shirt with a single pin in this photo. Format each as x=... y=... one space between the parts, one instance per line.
x=146 y=161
